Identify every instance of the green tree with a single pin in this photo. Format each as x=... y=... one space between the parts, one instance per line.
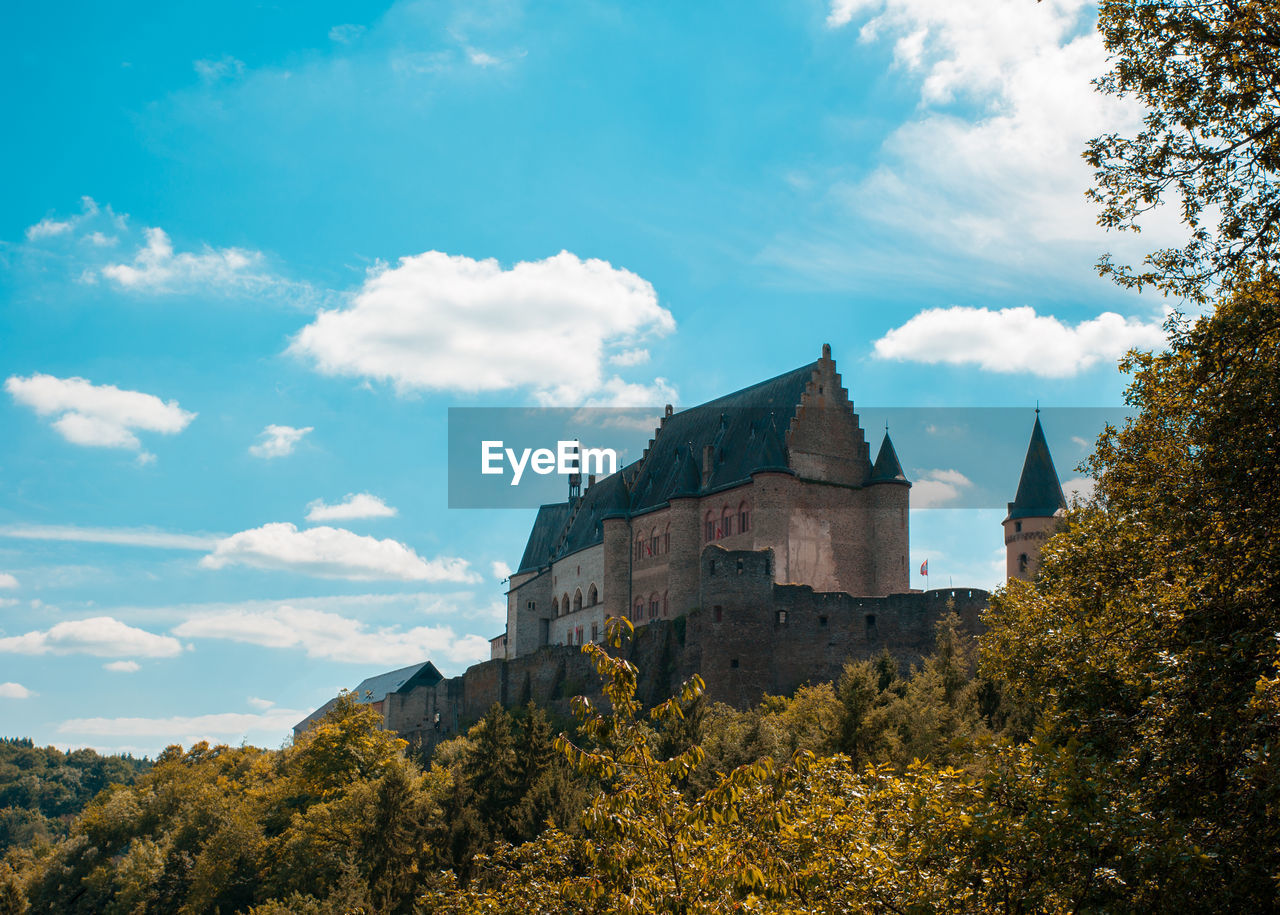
x=1207 y=73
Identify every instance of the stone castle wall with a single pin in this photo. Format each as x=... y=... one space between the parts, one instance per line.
x=749 y=636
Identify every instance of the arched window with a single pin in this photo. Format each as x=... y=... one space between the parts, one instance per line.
x=593 y=598
x=640 y=547
x=653 y=542
x=637 y=612
x=577 y=599
x=666 y=539
x=564 y=603
x=744 y=518
x=726 y=522
x=665 y=610
x=711 y=526
x=555 y=605
x=653 y=605
x=1022 y=564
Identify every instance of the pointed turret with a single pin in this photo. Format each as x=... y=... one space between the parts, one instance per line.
x=1039 y=491
x=886 y=468
x=1034 y=512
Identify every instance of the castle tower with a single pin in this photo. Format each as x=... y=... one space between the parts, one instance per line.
x=1034 y=512
x=889 y=488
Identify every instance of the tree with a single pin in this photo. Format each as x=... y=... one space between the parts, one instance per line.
x=1149 y=641
x=1208 y=74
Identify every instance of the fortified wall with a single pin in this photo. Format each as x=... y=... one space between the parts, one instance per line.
x=748 y=637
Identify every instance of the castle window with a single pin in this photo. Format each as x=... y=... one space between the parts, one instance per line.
x=1017 y=527
x=1022 y=564
x=726 y=522
x=578 y=632
x=711 y=527
x=637 y=612
x=666 y=539
x=653 y=542
x=593 y=596
x=555 y=605
x=595 y=632
x=719 y=613
x=733 y=662
x=739 y=566
x=822 y=621
x=531 y=605
x=744 y=518
x=871 y=626
x=564 y=603
x=664 y=604
x=577 y=602
x=782 y=617
x=653 y=605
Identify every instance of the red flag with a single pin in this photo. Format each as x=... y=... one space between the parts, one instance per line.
x=924 y=568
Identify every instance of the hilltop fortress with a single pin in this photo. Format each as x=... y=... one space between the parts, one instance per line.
x=755 y=542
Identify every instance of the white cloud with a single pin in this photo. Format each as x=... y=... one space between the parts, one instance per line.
x=101 y=416
x=630 y=357
x=1016 y=340
x=278 y=441
x=481 y=58
x=935 y=488
x=211 y=71
x=1080 y=488
x=618 y=393
x=14 y=691
x=260 y=703
x=156 y=268
x=355 y=505
x=47 y=228
x=441 y=322
x=338 y=638
x=103 y=636
x=121 y=536
x=224 y=724
x=8 y=580
x=991 y=163
x=329 y=552
x=345 y=34
x=501 y=570
x=101 y=240
x=122 y=667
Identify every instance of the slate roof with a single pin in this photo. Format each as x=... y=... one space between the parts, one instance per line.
x=746 y=431
x=1039 y=492
x=887 y=469
x=375 y=689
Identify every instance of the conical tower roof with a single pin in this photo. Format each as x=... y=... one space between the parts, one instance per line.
x=886 y=468
x=1039 y=491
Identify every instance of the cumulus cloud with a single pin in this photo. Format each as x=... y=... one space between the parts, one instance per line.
x=157 y=268
x=990 y=165
x=101 y=416
x=51 y=228
x=935 y=488
x=630 y=357
x=1016 y=340
x=121 y=536
x=225 y=724
x=331 y=552
x=1079 y=489
x=102 y=636
x=278 y=441
x=122 y=667
x=260 y=703
x=441 y=322
x=355 y=505
x=331 y=636
x=8 y=580
x=14 y=691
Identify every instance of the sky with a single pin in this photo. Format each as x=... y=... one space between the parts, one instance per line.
x=251 y=254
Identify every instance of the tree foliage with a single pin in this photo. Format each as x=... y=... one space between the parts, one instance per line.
x=1207 y=74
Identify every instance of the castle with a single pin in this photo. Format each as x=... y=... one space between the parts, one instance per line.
x=754 y=542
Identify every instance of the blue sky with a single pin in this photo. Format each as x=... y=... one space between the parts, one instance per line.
x=251 y=254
